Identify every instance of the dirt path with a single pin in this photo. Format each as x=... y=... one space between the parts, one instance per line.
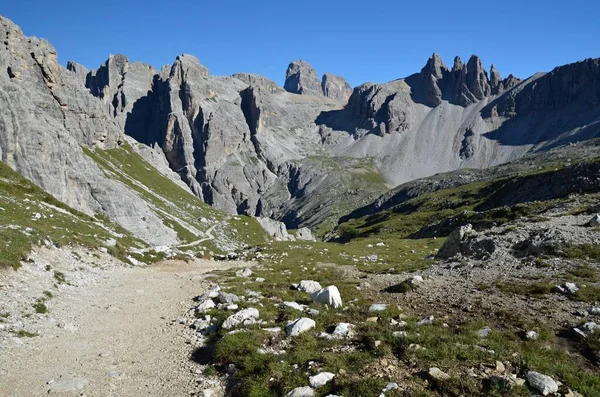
x=120 y=337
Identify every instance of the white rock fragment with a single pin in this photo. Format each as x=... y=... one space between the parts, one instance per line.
x=305 y=391
x=438 y=374
x=484 y=332
x=595 y=311
x=227 y=298
x=586 y=330
x=209 y=294
x=241 y=317
x=389 y=387
x=328 y=296
x=205 y=306
x=542 y=383
x=531 y=335
x=296 y=327
x=377 y=307
x=343 y=330
x=293 y=305
x=244 y=273
x=425 y=320
x=321 y=379
x=309 y=286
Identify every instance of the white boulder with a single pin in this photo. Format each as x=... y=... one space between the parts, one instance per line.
x=321 y=379
x=240 y=317
x=296 y=327
x=328 y=296
x=309 y=286
x=305 y=391
x=542 y=383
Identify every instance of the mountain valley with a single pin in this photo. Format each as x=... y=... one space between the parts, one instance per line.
x=171 y=232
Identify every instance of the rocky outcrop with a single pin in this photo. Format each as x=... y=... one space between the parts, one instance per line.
x=301 y=78
x=46 y=116
x=573 y=85
x=126 y=90
x=336 y=87
x=245 y=145
x=79 y=70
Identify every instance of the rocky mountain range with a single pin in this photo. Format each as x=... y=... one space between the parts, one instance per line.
x=305 y=154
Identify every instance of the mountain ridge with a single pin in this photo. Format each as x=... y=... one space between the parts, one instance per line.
x=245 y=145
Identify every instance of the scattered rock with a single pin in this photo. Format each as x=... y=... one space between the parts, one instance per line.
x=595 y=311
x=240 y=317
x=595 y=221
x=389 y=387
x=425 y=320
x=377 y=307
x=437 y=374
x=542 y=383
x=305 y=234
x=567 y=288
x=328 y=296
x=416 y=280
x=296 y=327
x=343 y=330
x=274 y=330
x=484 y=332
x=227 y=298
x=321 y=379
x=293 y=305
x=205 y=306
x=500 y=367
x=531 y=335
x=244 y=273
x=586 y=330
x=309 y=286
x=305 y=391
x=209 y=294
x=67 y=383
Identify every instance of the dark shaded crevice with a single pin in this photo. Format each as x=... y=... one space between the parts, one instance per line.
x=252 y=113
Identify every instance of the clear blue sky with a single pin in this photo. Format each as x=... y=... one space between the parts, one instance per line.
x=371 y=40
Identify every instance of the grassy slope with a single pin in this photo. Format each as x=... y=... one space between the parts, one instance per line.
x=477 y=203
x=361 y=182
x=179 y=209
x=29 y=216
x=454 y=347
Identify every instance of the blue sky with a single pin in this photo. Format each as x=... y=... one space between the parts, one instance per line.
x=361 y=40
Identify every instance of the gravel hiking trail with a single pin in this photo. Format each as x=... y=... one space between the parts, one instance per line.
x=121 y=339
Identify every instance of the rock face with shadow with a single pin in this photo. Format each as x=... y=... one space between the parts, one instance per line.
x=305 y=153
x=301 y=78
x=47 y=118
x=312 y=151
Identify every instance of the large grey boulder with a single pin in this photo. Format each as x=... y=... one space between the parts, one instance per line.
x=244 y=316
x=299 y=326
x=542 y=383
x=275 y=229
x=328 y=296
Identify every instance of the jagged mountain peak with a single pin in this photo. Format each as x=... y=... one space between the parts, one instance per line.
x=435 y=66
x=301 y=78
